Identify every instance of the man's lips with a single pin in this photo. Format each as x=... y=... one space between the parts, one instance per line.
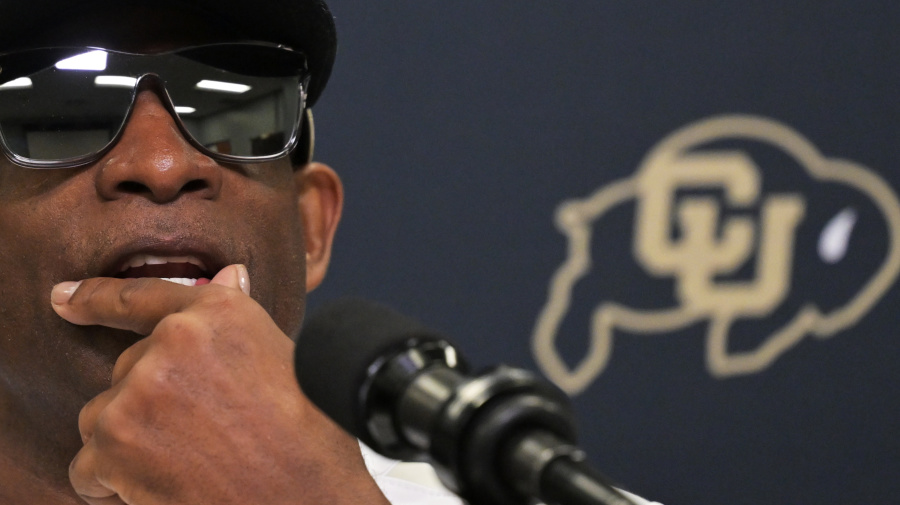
x=187 y=258
x=182 y=269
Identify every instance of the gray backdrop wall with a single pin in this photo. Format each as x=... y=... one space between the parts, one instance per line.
x=685 y=213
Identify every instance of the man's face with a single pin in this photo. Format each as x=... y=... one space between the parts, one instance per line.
x=152 y=194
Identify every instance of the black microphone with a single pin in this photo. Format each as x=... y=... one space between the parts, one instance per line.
x=501 y=437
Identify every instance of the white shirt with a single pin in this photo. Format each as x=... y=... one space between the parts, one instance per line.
x=417 y=484
x=407 y=483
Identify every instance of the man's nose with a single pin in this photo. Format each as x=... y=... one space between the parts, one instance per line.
x=152 y=159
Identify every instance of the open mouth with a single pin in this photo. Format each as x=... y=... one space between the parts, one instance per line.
x=186 y=270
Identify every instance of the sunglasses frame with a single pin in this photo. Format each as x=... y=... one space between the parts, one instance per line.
x=302 y=127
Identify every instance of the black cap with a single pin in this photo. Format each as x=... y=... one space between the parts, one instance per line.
x=304 y=25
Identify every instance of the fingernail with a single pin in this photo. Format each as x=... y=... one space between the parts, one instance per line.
x=62 y=292
x=244 y=279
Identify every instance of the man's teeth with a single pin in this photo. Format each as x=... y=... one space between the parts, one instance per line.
x=181 y=280
x=140 y=260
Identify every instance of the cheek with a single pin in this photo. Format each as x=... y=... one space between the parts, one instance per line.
x=45 y=239
x=278 y=264
x=41 y=235
x=41 y=357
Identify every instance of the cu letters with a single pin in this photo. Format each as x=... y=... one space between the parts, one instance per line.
x=700 y=240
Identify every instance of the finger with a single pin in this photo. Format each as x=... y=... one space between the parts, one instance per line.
x=84 y=478
x=129 y=357
x=87 y=418
x=112 y=500
x=233 y=276
x=128 y=304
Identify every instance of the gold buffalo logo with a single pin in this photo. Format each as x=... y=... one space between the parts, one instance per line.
x=690 y=240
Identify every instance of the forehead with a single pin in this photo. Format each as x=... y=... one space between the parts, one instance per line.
x=137 y=28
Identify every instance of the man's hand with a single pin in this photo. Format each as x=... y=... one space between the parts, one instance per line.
x=205 y=409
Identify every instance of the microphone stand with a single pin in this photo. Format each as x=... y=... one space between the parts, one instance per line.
x=503 y=437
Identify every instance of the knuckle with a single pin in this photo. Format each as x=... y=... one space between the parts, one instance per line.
x=121 y=367
x=126 y=301
x=150 y=383
x=86 y=421
x=115 y=427
x=153 y=383
x=222 y=298
x=184 y=339
x=178 y=328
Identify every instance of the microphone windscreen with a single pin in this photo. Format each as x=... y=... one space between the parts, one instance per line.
x=336 y=347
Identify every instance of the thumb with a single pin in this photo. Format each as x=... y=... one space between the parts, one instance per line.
x=233 y=276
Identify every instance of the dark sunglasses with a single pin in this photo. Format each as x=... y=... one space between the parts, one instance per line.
x=236 y=102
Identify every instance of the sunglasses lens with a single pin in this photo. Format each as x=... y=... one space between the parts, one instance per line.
x=232 y=113
x=55 y=114
x=62 y=105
